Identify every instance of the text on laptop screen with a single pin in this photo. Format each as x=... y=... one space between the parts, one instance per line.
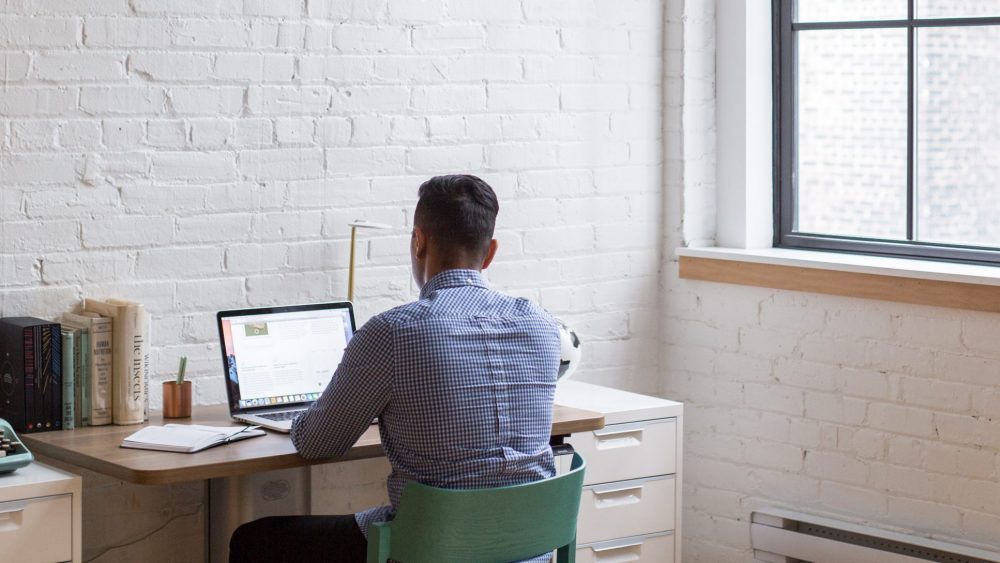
x=285 y=357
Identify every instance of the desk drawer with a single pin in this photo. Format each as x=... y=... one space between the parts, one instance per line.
x=37 y=529
x=626 y=508
x=628 y=451
x=654 y=548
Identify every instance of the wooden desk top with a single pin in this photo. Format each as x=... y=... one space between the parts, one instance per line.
x=98 y=448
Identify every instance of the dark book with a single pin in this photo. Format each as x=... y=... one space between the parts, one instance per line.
x=31 y=374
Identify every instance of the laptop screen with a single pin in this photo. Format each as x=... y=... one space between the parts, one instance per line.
x=280 y=356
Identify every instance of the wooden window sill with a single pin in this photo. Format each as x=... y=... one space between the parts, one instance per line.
x=941 y=284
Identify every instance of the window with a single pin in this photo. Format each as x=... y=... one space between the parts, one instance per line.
x=887 y=129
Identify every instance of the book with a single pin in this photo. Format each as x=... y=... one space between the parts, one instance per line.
x=31 y=361
x=130 y=357
x=94 y=381
x=187 y=438
x=70 y=355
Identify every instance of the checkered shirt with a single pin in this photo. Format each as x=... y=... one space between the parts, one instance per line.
x=462 y=382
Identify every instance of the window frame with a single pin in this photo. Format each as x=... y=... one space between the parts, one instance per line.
x=784 y=128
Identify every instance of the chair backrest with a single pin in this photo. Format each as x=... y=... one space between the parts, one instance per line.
x=483 y=525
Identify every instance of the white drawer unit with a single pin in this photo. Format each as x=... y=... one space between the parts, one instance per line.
x=40 y=515
x=630 y=507
x=654 y=548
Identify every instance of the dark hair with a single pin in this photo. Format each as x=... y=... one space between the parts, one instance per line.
x=458 y=212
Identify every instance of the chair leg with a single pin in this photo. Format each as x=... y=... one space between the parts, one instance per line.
x=378 y=542
x=566 y=553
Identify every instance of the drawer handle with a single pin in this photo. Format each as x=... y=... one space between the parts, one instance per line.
x=618 y=439
x=13 y=506
x=11 y=515
x=619 y=553
x=617 y=497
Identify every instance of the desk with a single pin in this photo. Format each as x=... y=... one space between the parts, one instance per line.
x=97 y=448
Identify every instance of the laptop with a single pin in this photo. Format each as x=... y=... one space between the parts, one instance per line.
x=278 y=360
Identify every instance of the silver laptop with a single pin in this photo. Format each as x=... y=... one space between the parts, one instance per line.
x=278 y=360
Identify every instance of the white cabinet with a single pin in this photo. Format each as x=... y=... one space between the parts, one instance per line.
x=630 y=507
x=40 y=515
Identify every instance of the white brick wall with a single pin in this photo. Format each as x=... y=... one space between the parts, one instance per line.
x=875 y=412
x=197 y=155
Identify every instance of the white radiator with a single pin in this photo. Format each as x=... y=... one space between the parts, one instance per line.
x=782 y=536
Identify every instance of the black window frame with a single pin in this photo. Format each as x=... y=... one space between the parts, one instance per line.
x=784 y=135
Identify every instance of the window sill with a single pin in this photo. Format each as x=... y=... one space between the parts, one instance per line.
x=941 y=284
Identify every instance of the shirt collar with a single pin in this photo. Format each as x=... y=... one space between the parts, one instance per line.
x=453 y=278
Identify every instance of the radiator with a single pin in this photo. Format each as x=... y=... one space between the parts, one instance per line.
x=782 y=536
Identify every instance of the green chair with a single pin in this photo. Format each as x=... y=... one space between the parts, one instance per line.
x=482 y=525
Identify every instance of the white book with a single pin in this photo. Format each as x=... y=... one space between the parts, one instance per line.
x=187 y=438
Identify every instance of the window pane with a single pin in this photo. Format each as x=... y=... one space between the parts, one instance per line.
x=850 y=10
x=851 y=138
x=957 y=8
x=958 y=135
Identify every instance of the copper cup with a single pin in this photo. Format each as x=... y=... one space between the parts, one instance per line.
x=176 y=399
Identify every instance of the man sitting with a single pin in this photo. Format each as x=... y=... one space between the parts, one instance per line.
x=462 y=381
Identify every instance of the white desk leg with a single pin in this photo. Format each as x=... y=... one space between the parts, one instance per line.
x=236 y=500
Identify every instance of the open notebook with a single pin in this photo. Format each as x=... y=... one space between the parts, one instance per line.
x=187 y=438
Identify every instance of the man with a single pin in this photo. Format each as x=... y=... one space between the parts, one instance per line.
x=462 y=382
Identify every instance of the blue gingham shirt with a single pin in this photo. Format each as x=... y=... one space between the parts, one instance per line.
x=462 y=382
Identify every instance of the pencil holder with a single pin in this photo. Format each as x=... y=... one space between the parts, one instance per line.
x=176 y=399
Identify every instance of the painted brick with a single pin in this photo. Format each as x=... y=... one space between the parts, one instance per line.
x=335 y=68
x=127 y=232
x=26 y=31
x=416 y=11
x=122 y=133
x=122 y=100
x=213 y=228
x=214 y=133
x=369 y=39
x=187 y=7
x=119 y=33
x=254 y=68
x=334 y=131
x=18 y=101
x=388 y=160
x=460 y=37
x=258 y=258
x=225 y=33
x=173 y=166
x=73 y=268
x=282 y=164
x=33 y=134
x=505 y=97
x=441 y=160
x=294 y=130
x=286 y=100
x=200 y=100
x=167 y=133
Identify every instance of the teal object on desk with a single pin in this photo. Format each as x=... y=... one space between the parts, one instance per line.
x=13 y=453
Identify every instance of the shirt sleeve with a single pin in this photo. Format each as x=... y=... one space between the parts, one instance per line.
x=358 y=391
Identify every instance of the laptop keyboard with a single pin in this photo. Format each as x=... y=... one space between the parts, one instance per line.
x=283 y=415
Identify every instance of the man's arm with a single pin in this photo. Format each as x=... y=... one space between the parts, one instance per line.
x=358 y=391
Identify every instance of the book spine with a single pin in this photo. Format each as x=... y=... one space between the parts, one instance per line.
x=29 y=379
x=78 y=378
x=129 y=388
x=12 y=376
x=83 y=377
x=70 y=352
x=50 y=370
x=98 y=391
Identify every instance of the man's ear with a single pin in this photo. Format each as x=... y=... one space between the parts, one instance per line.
x=419 y=243
x=490 y=253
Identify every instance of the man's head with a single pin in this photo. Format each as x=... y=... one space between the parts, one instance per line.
x=453 y=225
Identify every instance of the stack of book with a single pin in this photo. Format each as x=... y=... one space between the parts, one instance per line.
x=90 y=368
